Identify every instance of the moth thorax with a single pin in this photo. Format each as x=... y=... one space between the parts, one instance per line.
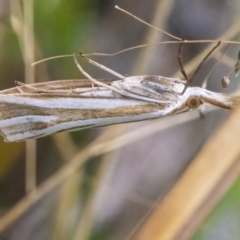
x=193 y=102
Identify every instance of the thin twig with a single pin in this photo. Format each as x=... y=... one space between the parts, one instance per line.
x=28 y=55
x=150 y=25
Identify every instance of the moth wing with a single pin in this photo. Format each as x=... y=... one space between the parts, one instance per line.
x=27 y=116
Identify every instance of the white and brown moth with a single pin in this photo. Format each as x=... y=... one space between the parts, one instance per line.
x=37 y=110
x=40 y=109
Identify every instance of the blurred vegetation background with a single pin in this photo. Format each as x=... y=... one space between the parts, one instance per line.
x=85 y=190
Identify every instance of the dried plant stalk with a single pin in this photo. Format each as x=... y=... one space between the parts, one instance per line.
x=200 y=188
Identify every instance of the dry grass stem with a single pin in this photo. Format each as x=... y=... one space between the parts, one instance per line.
x=86 y=222
x=69 y=150
x=67 y=201
x=198 y=186
x=28 y=55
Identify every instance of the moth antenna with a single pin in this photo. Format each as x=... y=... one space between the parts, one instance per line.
x=122 y=51
x=159 y=43
x=102 y=67
x=177 y=40
x=148 y=24
x=51 y=58
x=205 y=82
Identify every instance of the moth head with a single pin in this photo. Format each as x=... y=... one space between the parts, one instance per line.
x=193 y=102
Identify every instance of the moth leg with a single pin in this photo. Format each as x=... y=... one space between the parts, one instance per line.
x=117 y=90
x=73 y=91
x=20 y=90
x=205 y=58
x=98 y=83
x=28 y=87
x=102 y=67
x=200 y=65
x=93 y=92
x=181 y=62
x=206 y=80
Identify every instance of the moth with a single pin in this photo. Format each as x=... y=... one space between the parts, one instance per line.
x=41 y=109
